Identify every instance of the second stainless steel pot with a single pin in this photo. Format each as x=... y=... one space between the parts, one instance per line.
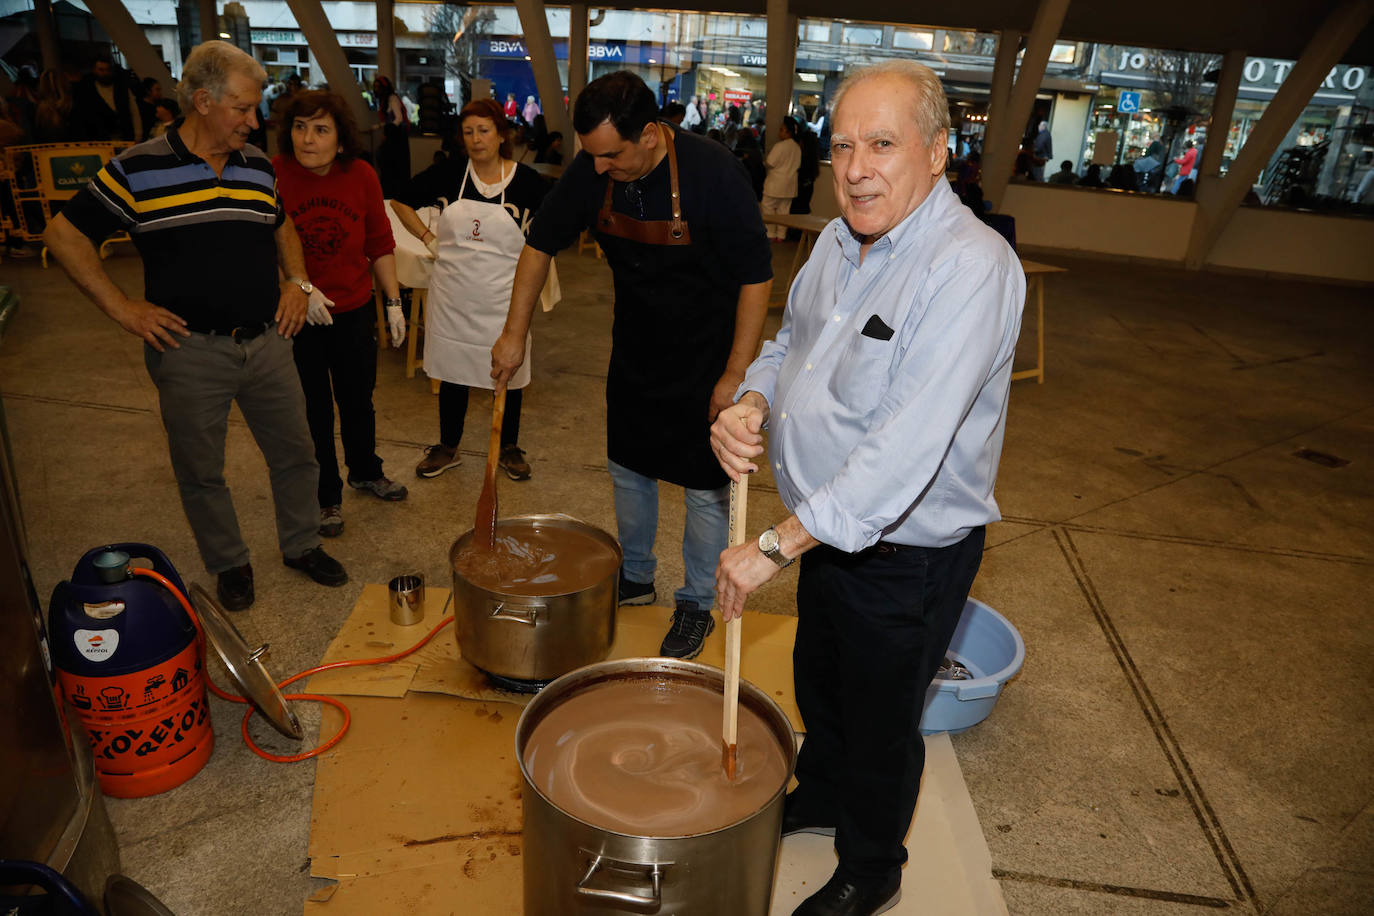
x=535 y=638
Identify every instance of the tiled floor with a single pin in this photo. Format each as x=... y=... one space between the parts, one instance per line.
x=1190 y=731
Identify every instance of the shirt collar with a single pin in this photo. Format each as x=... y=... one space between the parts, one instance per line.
x=173 y=135
x=904 y=233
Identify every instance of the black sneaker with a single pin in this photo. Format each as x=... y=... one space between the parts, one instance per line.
x=382 y=488
x=319 y=566
x=235 y=588
x=636 y=592
x=841 y=896
x=690 y=628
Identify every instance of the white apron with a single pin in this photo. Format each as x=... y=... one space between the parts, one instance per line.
x=469 y=290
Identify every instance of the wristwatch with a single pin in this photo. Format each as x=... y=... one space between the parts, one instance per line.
x=396 y=302
x=768 y=544
x=306 y=286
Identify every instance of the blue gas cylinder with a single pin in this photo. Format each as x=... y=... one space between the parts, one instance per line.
x=129 y=664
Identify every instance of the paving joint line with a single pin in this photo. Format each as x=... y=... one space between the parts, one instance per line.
x=1203 y=811
x=1120 y=890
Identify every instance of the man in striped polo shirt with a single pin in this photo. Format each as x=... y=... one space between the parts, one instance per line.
x=216 y=321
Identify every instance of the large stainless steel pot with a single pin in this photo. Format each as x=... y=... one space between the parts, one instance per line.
x=535 y=638
x=573 y=867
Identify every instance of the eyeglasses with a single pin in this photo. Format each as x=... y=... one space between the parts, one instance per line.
x=635 y=197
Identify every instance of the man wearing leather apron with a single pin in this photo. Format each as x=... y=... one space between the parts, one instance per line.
x=677 y=219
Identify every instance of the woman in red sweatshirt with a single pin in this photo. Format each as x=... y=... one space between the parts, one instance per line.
x=335 y=201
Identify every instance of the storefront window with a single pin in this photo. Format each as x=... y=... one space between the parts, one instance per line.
x=867 y=36
x=913 y=39
x=1063 y=52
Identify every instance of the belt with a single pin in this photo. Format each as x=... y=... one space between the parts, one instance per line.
x=889 y=547
x=239 y=334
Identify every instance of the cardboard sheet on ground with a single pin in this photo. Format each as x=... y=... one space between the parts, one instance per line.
x=418 y=809
x=765 y=653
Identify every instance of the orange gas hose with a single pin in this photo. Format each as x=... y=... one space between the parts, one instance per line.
x=235 y=698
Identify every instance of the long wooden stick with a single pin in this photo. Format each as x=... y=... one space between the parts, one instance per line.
x=484 y=527
x=739 y=497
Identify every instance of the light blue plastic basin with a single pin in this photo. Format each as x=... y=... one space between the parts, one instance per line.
x=987 y=645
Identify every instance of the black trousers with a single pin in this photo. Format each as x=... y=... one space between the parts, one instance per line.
x=872 y=629
x=338 y=363
x=453 y=410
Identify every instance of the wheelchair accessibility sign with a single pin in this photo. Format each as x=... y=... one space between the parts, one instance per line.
x=1128 y=102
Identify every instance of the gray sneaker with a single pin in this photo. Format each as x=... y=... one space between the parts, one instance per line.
x=382 y=488
x=331 y=522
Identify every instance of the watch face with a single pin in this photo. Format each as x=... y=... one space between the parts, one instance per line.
x=307 y=288
x=768 y=540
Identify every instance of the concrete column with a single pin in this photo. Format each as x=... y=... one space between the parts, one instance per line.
x=782 y=65
x=386 y=41
x=997 y=162
x=46 y=27
x=1217 y=200
x=209 y=19
x=539 y=43
x=324 y=46
x=999 y=93
x=577 y=55
x=1223 y=105
x=133 y=43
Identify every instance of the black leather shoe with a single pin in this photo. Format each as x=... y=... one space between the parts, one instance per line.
x=842 y=897
x=796 y=820
x=319 y=566
x=235 y=588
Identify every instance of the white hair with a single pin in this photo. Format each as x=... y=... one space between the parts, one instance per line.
x=208 y=67
x=931 y=107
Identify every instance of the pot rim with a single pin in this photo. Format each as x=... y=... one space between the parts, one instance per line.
x=549 y=519
x=652 y=668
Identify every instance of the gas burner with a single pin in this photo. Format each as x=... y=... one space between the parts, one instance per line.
x=516 y=685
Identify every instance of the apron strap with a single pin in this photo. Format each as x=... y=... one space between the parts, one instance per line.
x=651 y=231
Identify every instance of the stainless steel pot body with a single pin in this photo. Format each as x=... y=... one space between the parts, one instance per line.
x=535 y=638
x=573 y=867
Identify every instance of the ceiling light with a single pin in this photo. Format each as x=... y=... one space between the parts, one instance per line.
x=809 y=77
x=224 y=35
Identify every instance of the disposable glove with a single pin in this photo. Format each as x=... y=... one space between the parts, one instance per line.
x=397 y=321
x=318 y=311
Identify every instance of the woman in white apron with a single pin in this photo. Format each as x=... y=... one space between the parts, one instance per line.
x=476 y=243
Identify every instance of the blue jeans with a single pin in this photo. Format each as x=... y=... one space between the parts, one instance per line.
x=703 y=538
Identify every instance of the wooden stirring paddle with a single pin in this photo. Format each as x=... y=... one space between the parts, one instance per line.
x=729 y=747
x=484 y=528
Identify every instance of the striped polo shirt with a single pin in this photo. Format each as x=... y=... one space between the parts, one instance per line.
x=208 y=241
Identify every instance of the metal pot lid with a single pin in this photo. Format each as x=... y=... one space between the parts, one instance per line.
x=126 y=897
x=244 y=665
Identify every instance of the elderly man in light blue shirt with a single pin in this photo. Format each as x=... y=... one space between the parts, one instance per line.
x=885 y=399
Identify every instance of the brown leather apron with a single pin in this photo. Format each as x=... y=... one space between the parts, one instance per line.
x=651 y=231
x=674 y=326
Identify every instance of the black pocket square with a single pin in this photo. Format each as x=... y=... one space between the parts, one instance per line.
x=876 y=329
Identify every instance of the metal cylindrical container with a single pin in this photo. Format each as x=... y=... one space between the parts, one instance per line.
x=572 y=866
x=129 y=665
x=536 y=637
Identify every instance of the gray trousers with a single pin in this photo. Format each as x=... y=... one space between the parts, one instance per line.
x=196 y=385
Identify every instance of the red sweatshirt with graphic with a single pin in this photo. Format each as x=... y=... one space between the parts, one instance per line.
x=343 y=226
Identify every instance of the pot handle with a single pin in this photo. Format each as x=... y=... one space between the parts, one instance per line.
x=654 y=874
x=520 y=613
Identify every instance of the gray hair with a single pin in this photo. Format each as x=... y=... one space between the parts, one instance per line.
x=931 y=107
x=209 y=66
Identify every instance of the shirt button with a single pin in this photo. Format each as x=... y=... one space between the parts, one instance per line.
x=808 y=367
x=784 y=415
x=778 y=465
x=837 y=317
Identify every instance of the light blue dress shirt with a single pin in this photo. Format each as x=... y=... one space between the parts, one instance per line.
x=894 y=439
